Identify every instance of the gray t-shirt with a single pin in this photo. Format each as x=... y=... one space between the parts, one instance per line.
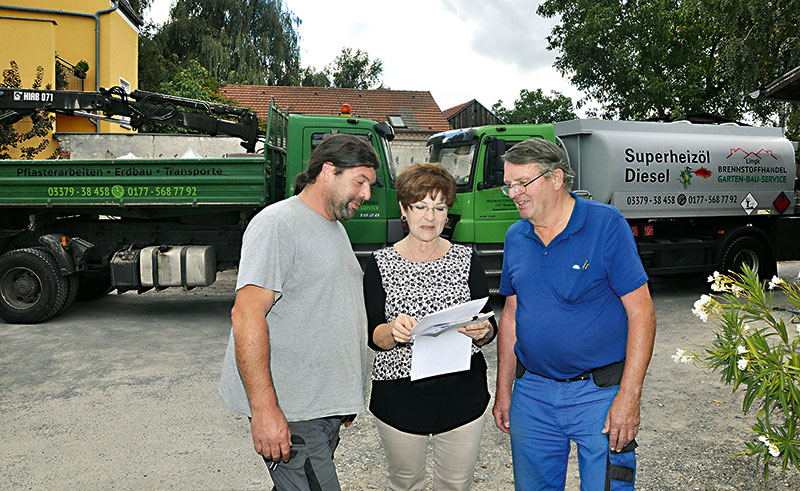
x=318 y=324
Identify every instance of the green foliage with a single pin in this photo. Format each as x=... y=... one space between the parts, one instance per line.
x=534 y=107
x=61 y=77
x=667 y=58
x=347 y=70
x=190 y=80
x=309 y=77
x=82 y=66
x=139 y=6
x=236 y=41
x=355 y=70
x=756 y=349
x=42 y=122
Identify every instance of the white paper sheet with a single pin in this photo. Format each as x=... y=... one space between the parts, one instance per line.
x=438 y=346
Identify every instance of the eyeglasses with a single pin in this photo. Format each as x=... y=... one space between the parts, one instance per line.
x=422 y=209
x=518 y=188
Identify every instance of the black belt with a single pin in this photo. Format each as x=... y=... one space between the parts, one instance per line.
x=613 y=370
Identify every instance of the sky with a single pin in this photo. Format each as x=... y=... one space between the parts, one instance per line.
x=458 y=50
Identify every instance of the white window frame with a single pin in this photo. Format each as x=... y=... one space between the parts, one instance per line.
x=126 y=86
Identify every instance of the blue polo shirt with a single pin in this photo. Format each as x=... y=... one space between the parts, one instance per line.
x=570 y=318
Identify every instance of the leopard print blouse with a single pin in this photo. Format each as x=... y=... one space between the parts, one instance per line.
x=418 y=289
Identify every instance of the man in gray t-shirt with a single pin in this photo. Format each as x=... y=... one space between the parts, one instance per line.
x=296 y=362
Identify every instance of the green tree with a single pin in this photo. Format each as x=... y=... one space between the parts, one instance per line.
x=139 y=6
x=355 y=70
x=309 y=77
x=32 y=142
x=190 y=80
x=237 y=41
x=534 y=107
x=666 y=58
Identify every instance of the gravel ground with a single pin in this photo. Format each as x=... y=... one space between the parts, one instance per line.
x=121 y=393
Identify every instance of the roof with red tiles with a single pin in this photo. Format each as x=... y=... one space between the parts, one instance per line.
x=419 y=111
x=453 y=110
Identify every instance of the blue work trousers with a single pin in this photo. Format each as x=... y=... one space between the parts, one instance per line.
x=545 y=415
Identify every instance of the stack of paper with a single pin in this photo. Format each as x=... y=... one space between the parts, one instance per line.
x=438 y=346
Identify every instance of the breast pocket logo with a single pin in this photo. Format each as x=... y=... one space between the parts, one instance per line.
x=17 y=96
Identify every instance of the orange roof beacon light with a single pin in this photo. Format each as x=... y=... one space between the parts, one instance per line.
x=346 y=111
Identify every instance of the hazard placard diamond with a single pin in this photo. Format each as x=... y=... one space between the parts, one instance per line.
x=749 y=203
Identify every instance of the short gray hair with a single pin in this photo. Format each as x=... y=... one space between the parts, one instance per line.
x=545 y=154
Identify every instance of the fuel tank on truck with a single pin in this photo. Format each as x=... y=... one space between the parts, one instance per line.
x=652 y=170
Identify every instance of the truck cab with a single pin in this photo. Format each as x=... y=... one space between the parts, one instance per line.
x=377 y=221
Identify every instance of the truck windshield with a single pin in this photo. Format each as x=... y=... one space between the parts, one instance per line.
x=457 y=160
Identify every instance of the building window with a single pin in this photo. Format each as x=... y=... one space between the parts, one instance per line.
x=396 y=121
x=126 y=86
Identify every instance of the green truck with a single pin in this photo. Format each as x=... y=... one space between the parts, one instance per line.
x=698 y=197
x=77 y=229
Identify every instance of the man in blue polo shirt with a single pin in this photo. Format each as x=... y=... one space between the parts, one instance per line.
x=577 y=329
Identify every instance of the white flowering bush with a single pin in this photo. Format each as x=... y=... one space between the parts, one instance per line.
x=756 y=350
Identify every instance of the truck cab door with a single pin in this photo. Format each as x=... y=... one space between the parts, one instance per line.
x=494 y=212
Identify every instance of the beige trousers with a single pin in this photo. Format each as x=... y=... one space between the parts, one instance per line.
x=454 y=456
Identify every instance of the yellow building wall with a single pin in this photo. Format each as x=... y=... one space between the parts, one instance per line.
x=74 y=40
x=36 y=51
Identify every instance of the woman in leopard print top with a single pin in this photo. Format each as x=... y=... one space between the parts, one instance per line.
x=419 y=275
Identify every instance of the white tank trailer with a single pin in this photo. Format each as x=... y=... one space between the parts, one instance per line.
x=696 y=196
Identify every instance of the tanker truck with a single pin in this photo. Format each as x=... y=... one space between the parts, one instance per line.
x=698 y=197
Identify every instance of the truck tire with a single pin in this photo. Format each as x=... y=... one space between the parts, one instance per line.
x=94 y=284
x=750 y=251
x=73 y=281
x=31 y=290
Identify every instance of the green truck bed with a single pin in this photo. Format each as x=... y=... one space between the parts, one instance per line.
x=134 y=183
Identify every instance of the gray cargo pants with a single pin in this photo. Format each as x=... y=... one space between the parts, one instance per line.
x=310 y=466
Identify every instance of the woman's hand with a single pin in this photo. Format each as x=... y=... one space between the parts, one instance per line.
x=401 y=328
x=476 y=330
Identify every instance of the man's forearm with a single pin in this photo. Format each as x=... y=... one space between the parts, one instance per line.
x=506 y=358
x=641 y=337
x=251 y=337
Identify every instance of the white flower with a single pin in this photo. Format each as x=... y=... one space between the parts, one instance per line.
x=773 y=449
x=741 y=349
x=745 y=327
x=700 y=307
x=714 y=277
x=737 y=290
x=682 y=356
x=717 y=287
x=775 y=281
x=762 y=439
x=797 y=326
x=742 y=364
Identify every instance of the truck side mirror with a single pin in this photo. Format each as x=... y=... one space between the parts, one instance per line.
x=493 y=166
x=385 y=130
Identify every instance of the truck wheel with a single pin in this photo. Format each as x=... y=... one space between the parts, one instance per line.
x=31 y=290
x=73 y=281
x=94 y=284
x=750 y=251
